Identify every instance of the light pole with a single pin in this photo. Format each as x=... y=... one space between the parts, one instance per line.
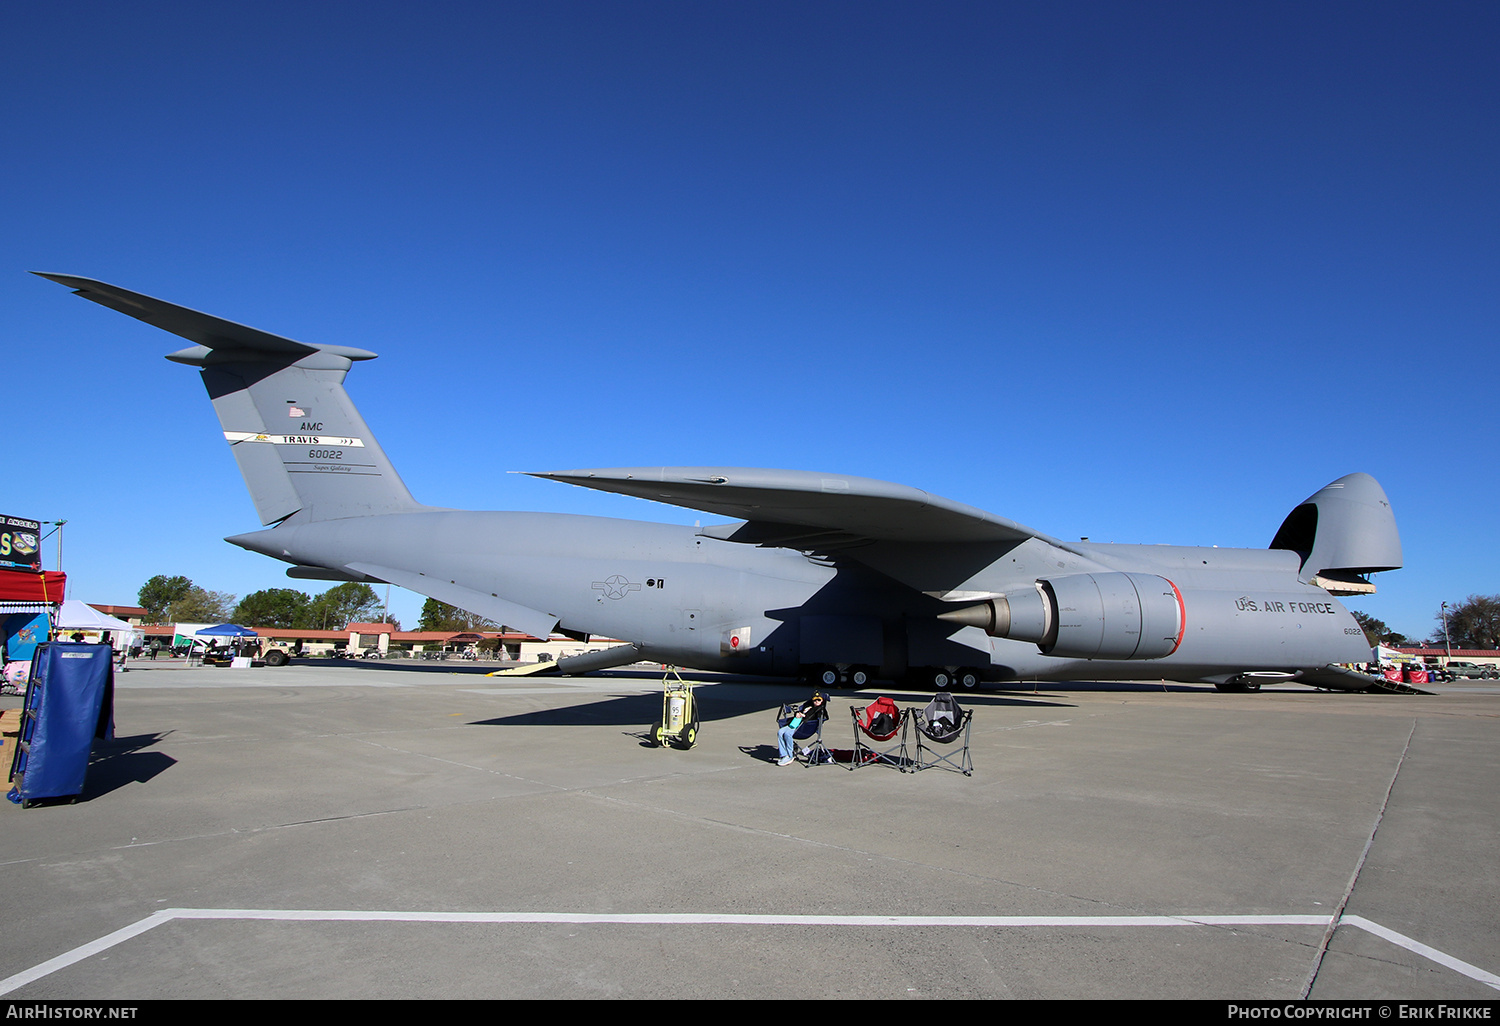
x=58 y=524
x=1447 y=641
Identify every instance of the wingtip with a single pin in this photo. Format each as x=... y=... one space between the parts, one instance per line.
x=72 y=281
x=561 y=477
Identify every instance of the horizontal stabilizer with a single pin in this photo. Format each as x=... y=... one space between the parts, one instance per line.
x=205 y=329
x=853 y=507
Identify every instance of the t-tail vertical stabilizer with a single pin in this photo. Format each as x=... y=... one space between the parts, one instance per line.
x=301 y=445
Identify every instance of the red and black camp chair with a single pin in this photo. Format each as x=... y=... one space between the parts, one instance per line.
x=879 y=734
x=943 y=723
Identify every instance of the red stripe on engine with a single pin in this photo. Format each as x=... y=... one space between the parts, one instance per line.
x=1181 y=616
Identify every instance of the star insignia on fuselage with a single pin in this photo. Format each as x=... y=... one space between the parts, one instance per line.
x=616 y=587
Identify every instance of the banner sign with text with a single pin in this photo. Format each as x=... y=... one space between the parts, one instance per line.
x=20 y=544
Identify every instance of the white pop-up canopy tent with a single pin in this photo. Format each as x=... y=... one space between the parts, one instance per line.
x=80 y=616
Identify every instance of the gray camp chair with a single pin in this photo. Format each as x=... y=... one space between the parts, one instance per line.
x=943 y=723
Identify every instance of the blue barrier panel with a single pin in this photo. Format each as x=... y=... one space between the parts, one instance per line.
x=69 y=702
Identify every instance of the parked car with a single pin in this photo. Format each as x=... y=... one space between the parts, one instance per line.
x=1459 y=668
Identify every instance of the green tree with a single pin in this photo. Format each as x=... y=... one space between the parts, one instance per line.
x=342 y=605
x=440 y=616
x=1372 y=627
x=158 y=594
x=1377 y=633
x=1473 y=623
x=201 y=606
x=273 y=607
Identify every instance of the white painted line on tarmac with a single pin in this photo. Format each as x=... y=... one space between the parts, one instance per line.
x=735 y=919
x=1458 y=965
x=712 y=919
x=78 y=954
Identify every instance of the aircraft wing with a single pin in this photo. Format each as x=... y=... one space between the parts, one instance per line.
x=801 y=508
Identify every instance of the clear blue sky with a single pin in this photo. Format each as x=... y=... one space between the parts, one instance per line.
x=1145 y=272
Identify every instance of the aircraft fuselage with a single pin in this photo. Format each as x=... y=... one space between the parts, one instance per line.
x=689 y=599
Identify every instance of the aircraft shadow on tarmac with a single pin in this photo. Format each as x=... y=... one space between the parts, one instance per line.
x=727 y=700
x=1008 y=693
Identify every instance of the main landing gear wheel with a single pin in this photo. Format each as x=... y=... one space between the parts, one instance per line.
x=968 y=678
x=941 y=679
x=859 y=676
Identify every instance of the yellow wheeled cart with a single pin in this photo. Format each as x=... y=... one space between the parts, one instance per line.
x=678 y=725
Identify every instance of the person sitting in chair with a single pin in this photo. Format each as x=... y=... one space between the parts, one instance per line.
x=803 y=722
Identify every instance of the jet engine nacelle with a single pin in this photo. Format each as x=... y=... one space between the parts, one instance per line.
x=1087 y=616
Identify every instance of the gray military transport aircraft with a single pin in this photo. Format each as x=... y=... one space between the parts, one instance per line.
x=833 y=578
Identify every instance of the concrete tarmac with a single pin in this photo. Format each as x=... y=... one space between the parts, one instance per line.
x=389 y=830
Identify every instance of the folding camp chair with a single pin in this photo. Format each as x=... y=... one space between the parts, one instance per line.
x=943 y=723
x=807 y=739
x=879 y=734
